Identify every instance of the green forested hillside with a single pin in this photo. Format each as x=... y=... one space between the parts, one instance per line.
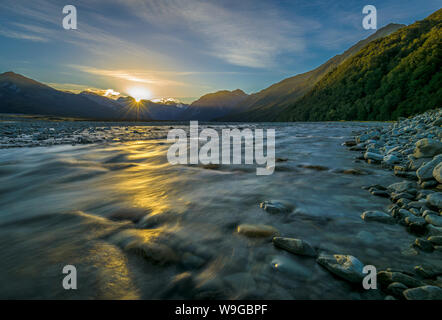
x=398 y=75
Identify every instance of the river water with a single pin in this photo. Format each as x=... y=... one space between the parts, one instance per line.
x=97 y=206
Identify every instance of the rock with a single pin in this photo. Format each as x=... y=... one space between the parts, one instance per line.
x=424 y=293
x=424 y=245
x=427 y=271
x=434 y=231
x=377 y=216
x=405 y=186
x=417 y=229
x=404 y=195
x=416 y=220
x=373 y=156
x=435 y=199
x=425 y=172
x=350 y=143
x=427 y=148
x=396 y=289
x=277 y=206
x=437 y=173
x=296 y=246
x=435 y=240
x=434 y=220
x=387 y=277
x=257 y=231
x=429 y=184
x=344 y=266
x=391 y=159
x=380 y=193
x=144 y=242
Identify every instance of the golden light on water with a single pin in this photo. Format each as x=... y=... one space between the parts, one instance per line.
x=139 y=93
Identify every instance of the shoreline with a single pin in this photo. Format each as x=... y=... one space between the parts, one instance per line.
x=411 y=149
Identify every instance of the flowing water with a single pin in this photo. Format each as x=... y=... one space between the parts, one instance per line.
x=81 y=205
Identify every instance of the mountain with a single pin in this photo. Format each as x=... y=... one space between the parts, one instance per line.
x=146 y=109
x=102 y=100
x=215 y=105
x=263 y=106
x=19 y=94
x=397 y=75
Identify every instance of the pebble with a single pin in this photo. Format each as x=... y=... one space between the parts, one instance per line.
x=257 y=230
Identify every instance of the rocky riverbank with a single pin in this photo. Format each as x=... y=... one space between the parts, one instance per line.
x=412 y=149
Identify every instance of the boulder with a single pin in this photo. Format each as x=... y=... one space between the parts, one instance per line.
x=296 y=246
x=434 y=220
x=373 y=156
x=425 y=172
x=435 y=199
x=404 y=186
x=437 y=173
x=424 y=293
x=344 y=266
x=427 y=148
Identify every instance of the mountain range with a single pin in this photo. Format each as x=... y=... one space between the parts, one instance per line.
x=394 y=72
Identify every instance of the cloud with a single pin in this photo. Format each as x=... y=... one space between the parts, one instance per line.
x=252 y=35
x=147 y=77
x=22 y=36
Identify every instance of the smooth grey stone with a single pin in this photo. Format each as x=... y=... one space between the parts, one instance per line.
x=387 y=277
x=424 y=293
x=377 y=216
x=344 y=266
x=296 y=246
x=277 y=206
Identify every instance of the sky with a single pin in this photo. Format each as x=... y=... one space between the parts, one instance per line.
x=184 y=48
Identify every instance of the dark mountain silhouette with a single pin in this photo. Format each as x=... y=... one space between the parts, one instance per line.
x=22 y=95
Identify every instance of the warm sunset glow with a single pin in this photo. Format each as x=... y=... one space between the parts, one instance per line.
x=139 y=93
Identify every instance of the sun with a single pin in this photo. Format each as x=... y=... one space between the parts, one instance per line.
x=139 y=93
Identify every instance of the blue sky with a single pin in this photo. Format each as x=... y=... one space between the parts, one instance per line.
x=184 y=48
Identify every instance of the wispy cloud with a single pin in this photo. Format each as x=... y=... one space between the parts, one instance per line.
x=147 y=77
x=252 y=38
x=22 y=36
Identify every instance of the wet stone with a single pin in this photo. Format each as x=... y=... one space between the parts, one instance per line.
x=296 y=246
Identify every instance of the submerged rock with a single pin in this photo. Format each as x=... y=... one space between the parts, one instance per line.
x=257 y=230
x=277 y=206
x=344 y=266
x=387 y=277
x=296 y=246
x=144 y=242
x=377 y=216
x=405 y=186
x=396 y=289
x=424 y=293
